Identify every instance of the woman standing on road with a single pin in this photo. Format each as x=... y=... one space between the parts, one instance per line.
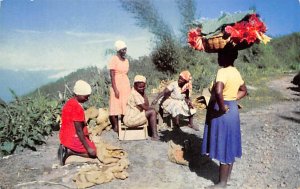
x=222 y=135
x=120 y=87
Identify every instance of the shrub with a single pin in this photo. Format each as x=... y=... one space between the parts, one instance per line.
x=26 y=121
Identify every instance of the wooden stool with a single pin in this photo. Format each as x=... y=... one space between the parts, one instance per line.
x=133 y=133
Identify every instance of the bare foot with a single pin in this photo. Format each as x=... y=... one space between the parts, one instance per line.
x=63 y=154
x=219 y=185
x=116 y=129
x=155 y=138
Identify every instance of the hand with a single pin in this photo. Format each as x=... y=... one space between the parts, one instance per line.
x=154 y=102
x=117 y=94
x=225 y=109
x=190 y=105
x=91 y=152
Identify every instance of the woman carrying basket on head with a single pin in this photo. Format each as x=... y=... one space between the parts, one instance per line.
x=222 y=134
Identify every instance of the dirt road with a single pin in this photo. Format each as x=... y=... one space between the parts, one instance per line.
x=271 y=155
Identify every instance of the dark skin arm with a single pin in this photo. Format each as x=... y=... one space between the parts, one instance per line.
x=242 y=92
x=144 y=106
x=113 y=83
x=79 y=131
x=219 y=97
x=146 y=100
x=187 y=99
x=165 y=93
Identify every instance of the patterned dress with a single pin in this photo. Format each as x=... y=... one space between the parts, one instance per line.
x=175 y=104
x=117 y=106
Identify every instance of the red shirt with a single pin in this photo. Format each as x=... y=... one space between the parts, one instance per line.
x=72 y=111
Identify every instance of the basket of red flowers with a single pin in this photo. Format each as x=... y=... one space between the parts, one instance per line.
x=241 y=34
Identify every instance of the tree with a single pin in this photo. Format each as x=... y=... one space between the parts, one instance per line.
x=187 y=10
x=147 y=17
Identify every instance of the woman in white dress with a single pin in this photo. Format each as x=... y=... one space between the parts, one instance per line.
x=175 y=99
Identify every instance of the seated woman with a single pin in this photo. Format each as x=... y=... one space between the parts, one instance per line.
x=73 y=135
x=138 y=111
x=175 y=99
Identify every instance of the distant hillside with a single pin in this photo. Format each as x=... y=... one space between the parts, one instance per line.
x=283 y=50
x=100 y=81
x=21 y=82
x=62 y=88
x=287 y=49
x=280 y=54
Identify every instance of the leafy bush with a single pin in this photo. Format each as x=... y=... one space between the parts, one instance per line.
x=26 y=121
x=165 y=57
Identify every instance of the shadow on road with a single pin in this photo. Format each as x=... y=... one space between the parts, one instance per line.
x=289 y=118
x=201 y=165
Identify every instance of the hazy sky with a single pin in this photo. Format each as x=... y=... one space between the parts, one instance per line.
x=65 y=35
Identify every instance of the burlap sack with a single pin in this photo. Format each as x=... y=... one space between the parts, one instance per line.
x=175 y=154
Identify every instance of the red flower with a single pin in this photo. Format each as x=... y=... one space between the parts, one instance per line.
x=246 y=30
x=195 y=39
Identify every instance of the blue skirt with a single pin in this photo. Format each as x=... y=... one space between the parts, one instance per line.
x=222 y=133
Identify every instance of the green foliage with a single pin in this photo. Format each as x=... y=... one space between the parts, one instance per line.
x=26 y=121
x=287 y=50
x=62 y=89
x=144 y=66
x=167 y=52
x=166 y=57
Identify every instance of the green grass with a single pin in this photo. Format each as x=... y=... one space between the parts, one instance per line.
x=262 y=95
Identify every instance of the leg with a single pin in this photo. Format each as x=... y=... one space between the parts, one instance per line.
x=64 y=153
x=230 y=169
x=223 y=175
x=191 y=123
x=152 y=116
x=122 y=117
x=176 y=121
x=114 y=122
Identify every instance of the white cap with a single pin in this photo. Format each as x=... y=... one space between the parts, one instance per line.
x=120 y=45
x=82 y=88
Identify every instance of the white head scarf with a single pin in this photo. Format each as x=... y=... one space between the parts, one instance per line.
x=120 y=45
x=82 y=88
x=139 y=78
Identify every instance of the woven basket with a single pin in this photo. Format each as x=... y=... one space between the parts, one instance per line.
x=215 y=43
x=218 y=42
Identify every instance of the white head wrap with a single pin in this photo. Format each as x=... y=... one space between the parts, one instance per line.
x=120 y=45
x=139 y=78
x=82 y=88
